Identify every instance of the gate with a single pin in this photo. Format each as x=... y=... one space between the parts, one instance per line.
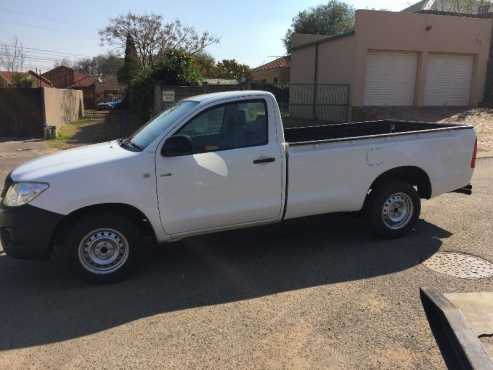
x=319 y=103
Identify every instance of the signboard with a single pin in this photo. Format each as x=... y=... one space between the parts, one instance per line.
x=168 y=96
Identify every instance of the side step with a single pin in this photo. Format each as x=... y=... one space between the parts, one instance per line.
x=465 y=190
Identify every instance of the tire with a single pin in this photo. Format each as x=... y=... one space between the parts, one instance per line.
x=393 y=209
x=102 y=247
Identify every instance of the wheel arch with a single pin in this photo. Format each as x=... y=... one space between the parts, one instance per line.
x=133 y=213
x=412 y=175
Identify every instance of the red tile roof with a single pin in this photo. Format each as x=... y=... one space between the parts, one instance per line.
x=282 y=62
x=82 y=80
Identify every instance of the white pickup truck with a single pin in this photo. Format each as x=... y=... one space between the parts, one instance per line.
x=219 y=162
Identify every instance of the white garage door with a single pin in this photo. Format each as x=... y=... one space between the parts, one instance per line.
x=390 y=78
x=448 y=80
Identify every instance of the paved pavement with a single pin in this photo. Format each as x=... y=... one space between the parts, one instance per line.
x=315 y=293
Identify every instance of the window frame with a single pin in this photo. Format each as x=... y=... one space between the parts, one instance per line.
x=225 y=105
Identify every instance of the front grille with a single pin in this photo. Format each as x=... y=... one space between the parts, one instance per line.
x=8 y=182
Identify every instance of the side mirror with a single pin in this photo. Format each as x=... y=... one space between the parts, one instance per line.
x=176 y=146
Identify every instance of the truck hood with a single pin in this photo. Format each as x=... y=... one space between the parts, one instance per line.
x=42 y=168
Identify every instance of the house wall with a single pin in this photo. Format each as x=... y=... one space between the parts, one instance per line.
x=424 y=34
x=3 y=82
x=303 y=65
x=344 y=60
x=62 y=106
x=336 y=60
x=279 y=74
x=60 y=76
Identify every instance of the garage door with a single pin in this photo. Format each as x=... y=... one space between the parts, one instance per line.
x=390 y=78
x=448 y=80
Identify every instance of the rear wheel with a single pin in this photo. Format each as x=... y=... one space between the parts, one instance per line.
x=102 y=247
x=393 y=209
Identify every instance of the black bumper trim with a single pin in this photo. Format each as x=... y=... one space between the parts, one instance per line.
x=26 y=232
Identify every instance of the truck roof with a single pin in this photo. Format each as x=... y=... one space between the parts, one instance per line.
x=227 y=95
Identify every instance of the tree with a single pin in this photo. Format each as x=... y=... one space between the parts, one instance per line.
x=64 y=62
x=172 y=68
x=205 y=64
x=457 y=6
x=22 y=80
x=130 y=67
x=231 y=69
x=331 y=19
x=153 y=37
x=175 y=68
x=108 y=64
x=12 y=56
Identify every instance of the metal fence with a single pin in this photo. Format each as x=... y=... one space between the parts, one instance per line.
x=300 y=104
x=319 y=103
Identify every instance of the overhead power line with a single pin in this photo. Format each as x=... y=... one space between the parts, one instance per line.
x=47 y=51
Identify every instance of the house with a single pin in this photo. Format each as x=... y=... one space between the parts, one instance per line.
x=463 y=7
x=400 y=59
x=7 y=79
x=275 y=72
x=66 y=78
x=108 y=88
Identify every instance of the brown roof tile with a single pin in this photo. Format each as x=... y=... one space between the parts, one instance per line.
x=282 y=62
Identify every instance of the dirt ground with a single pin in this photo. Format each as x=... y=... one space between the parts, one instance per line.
x=482 y=120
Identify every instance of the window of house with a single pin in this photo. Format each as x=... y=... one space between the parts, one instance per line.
x=229 y=126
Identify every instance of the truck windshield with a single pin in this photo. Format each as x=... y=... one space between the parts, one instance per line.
x=149 y=132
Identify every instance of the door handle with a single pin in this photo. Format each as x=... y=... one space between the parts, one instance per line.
x=264 y=160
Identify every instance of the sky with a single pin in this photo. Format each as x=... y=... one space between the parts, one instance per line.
x=249 y=31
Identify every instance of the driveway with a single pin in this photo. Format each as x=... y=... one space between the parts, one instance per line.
x=314 y=293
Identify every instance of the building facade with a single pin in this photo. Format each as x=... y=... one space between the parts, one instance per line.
x=400 y=59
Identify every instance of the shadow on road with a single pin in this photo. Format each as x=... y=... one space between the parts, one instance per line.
x=43 y=303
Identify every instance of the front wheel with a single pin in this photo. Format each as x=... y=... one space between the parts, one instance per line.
x=102 y=247
x=393 y=209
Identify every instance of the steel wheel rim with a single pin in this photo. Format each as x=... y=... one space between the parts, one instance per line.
x=103 y=251
x=397 y=211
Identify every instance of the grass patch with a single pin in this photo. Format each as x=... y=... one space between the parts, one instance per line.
x=66 y=133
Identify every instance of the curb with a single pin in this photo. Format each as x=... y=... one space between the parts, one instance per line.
x=460 y=348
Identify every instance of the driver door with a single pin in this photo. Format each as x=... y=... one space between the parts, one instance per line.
x=233 y=177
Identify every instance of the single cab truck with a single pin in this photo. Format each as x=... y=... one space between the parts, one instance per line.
x=224 y=161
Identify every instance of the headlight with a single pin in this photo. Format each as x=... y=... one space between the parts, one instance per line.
x=22 y=193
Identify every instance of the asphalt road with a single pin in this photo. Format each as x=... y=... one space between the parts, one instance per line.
x=315 y=293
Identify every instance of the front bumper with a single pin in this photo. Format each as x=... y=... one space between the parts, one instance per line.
x=26 y=232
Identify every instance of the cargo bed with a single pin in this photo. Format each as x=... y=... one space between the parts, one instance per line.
x=362 y=130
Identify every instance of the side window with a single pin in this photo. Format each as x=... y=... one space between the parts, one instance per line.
x=253 y=132
x=208 y=123
x=230 y=126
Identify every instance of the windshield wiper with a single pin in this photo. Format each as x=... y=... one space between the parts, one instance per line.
x=129 y=144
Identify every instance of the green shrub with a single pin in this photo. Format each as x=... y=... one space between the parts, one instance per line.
x=172 y=68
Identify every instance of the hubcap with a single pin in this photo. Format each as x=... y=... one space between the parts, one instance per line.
x=103 y=251
x=397 y=211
